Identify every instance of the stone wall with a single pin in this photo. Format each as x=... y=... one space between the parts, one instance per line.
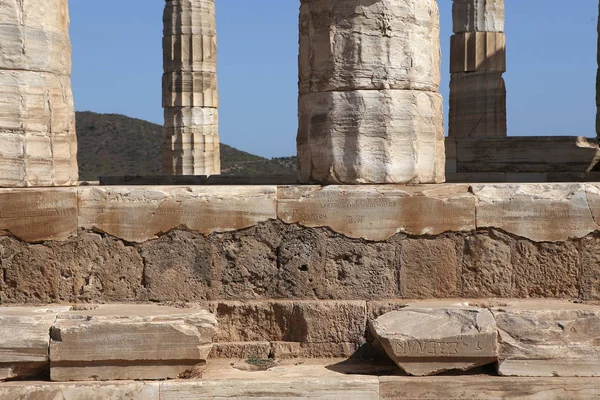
x=109 y=244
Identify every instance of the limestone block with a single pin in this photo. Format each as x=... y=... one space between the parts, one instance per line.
x=189 y=17
x=379 y=212
x=540 y=212
x=35 y=36
x=486 y=387
x=370 y=136
x=528 y=154
x=478 y=52
x=24 y=340
x=138 y=214
x=115 y=342
x=190 y=89
x=477 y=16
x=548 y=340
x=80 y=391
x=305 y=322
x=428 y=341
x=362 y=44
x=477 y=106
x=190 y=53
x=35 y=215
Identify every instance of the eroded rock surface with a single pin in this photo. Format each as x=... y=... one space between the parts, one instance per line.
x=552 y=339
x=427 y=341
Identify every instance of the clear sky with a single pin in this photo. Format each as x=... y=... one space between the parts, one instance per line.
x=117 y=66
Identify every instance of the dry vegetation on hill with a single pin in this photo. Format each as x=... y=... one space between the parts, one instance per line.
x=112 y=144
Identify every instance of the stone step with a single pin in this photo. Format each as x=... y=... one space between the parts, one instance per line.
x=317 y=379
x=104 y=342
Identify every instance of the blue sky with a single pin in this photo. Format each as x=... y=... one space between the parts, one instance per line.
x=117 y=66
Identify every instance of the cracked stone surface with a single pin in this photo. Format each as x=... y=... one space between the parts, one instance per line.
x=38 y=143
x=369 y=107
x=477 y=16
x=24 y=340
x=428 y=341
x=115 y=342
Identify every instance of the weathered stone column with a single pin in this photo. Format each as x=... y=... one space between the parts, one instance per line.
x=369 y=107
x=477 y=61
x=190 y=97
x=38 y=142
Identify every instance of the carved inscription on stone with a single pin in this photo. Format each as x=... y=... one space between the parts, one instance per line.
x=36 y=215
x=376 y=212
x=540 y=212
x=142 y=213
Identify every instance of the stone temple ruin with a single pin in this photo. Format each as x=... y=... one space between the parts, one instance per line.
x=362 y=281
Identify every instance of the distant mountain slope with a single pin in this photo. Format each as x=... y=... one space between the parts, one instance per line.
x=113 y=144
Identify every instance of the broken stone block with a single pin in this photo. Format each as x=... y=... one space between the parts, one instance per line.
x=24 y=340
x=478 y=52
x=123 y=342
x=428 y=341
x=363 y=44
x=478 y=16
x=371 y=136
x=548 y=339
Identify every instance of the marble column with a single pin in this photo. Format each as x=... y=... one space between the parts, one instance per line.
x=477 y=62
x=38 y=142
x=369 y=107
x=190 y=97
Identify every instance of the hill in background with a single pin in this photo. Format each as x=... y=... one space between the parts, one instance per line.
x=113 y=144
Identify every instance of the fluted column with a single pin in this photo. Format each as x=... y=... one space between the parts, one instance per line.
x=190 y=97
x=38 y=142
x=477 y=62
x=369 y=107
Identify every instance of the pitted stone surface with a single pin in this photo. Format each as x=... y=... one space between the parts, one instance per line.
x=428 y=341
x=113 y=342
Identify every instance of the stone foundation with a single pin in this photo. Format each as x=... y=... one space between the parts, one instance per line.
x=112 y=244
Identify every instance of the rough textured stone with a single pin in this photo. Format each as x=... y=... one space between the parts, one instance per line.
x=540 y=212
x=371 y=136
x=379 y=212
x=590 y=268
x=545 y=270
x=137 y=214
x=368 y=45
x=478 y=52
x=39 y=214
x=429 y=268
x=321 y=328
x=129 y=342
x=24 y=340
x=179 y=267
x=109 y=270
x=487 y=269
x=427 y=341
x=477 y=16
x=478 y=110
x=241 y=350
x=38 y=273
x=190 y=96
x=37 y=120
x=550 y=339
